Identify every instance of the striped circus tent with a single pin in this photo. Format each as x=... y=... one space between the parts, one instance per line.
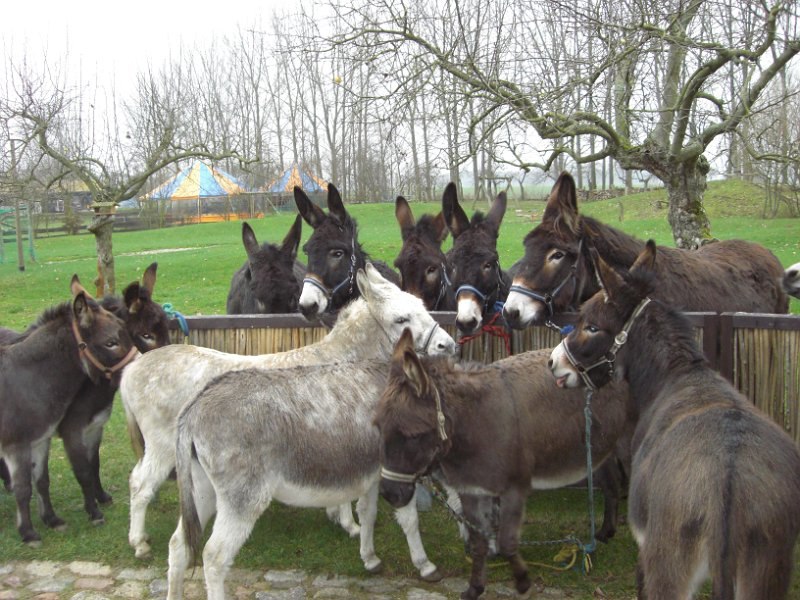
x=296 y=176
x=198 y=180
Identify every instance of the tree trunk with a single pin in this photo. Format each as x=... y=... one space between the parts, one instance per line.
x=102 y=227
x=687 y=217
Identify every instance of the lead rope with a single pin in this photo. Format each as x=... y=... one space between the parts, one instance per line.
x=182 y=323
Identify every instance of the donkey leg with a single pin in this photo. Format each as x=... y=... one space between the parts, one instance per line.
x=609 y=479
x=231 y=530
x=146 y=477
x=367 y=509
x=19 y=466
x=474 y=512
x=5 y=475
x=512 y=511
x=78 y=454
x=93 y=437
x=408 y=518
x=764 y=571
x=343 y=515
x=669 y=570
x=179 y=553
x=40 y=453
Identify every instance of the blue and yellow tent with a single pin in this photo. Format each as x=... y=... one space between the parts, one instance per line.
x=198 y=180
x=296 y=176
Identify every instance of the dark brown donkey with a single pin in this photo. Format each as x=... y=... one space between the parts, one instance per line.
x=334 y=256
x=492 y=431
x=40 y=377
x=715 y=486
x=555 y=275
x=481 y=285
x=82 y=426
x=270 y=280
x=423 y=267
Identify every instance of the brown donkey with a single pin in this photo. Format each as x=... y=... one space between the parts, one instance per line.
x=715 y=485
x=555 y=275
x=490 y=431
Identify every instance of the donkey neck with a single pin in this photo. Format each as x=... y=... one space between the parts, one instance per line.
x=661 y=349
x=356 y=334
x=616 y=248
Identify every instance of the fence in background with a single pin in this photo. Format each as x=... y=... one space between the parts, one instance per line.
x=759 y=353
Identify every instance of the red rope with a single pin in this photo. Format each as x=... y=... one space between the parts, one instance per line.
x=492 y=329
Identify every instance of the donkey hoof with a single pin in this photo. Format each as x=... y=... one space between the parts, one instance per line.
x=523 y=585
x=34 y=544
x=374 y=568
x=472 y=593
x=143 y=550
x=433 y=576
x=104 y=498
x=97 y=521
x=61 y=527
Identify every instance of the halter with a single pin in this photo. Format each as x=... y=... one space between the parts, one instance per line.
x=84 y=352
x=547 y=297
x=611 y=356
x=347 y=281
x=390 y=475
x=484 y=298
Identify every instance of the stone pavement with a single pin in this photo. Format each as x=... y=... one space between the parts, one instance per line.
x=47 y=580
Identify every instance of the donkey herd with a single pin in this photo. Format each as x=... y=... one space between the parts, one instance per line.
x=713 y=485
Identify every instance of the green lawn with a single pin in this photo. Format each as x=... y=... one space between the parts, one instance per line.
x=195 y=266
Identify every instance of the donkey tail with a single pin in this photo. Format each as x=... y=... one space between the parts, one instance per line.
x=723 y=549
x=135 y=434
x=192 y=529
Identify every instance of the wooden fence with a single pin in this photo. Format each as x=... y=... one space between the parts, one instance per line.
x=758 y=353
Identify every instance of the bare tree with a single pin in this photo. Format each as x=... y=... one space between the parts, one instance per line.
x=112 y=147
x=668 y=61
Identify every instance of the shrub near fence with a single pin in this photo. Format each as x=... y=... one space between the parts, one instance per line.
x=760 y=354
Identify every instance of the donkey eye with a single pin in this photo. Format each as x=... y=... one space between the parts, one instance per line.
x=432 y=270
x=337 y=253
x=401 y=320
x=487 y=266
x=111 y=344
x=591 y=329
x=557 y=255
x=147 y=336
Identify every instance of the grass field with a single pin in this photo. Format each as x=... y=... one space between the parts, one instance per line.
x=195 y=266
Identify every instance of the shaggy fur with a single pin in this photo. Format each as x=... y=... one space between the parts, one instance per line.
x=153 y=393
x=791 y=280
x=270 y=279
x=715 y=486
x=726 y=276
x=509 y=430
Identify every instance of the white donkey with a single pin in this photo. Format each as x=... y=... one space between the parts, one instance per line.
x=154 y=392
x=791 y=280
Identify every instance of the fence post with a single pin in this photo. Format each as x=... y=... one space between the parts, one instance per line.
x=726 y=350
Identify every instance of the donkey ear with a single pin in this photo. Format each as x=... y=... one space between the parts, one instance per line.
x=496 y=212
x=364 y=284
x=404 y=216
x=405 y=356
x=82 y=309
x=132 y=297
x=149 y=277
x=562 y=205
x=291 y=242
x=249 y=241
x=311 y=213
x=610 y=280
x=75 y=286
x=646 y=261
x=454 y=215
x=336 y=205
x=440 y=227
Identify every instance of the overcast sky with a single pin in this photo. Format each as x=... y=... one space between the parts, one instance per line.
x=120 y=38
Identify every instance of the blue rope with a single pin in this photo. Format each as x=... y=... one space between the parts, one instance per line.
x=174 y=314
x=587 y=415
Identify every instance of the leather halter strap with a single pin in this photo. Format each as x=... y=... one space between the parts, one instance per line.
x=484 y=299
x=610 y=357
x=84 y=352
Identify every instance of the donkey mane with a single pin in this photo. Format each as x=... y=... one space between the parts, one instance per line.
x=426 y=229
x=53 y=313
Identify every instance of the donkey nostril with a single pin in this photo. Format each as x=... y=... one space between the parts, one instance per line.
x=550 y=363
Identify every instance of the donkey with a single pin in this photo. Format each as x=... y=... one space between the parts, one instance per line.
x=480 y=284
x=334 y=256
x=556 y=276
x=81 y=429
x=270 y=279
x=715 y=486
x=368 y=328
x=490 y=431
x=40 y=376
x=791 y=280
x=423 y=266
